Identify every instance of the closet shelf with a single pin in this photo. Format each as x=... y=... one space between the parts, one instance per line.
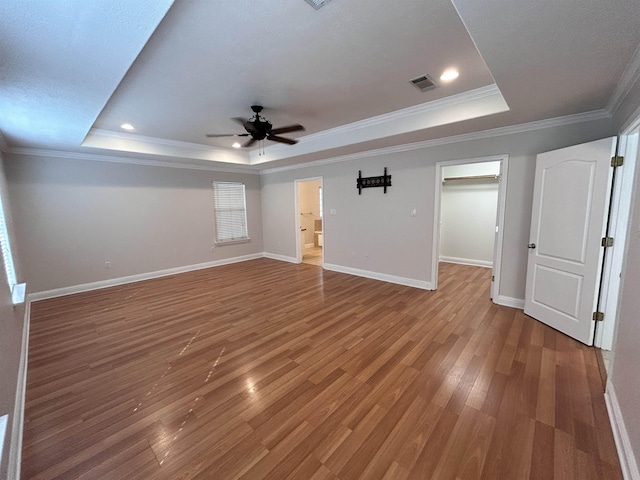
x=473 y=177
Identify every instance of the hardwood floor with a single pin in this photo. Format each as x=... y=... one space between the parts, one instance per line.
x=265 y=369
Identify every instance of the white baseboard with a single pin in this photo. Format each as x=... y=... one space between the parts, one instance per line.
x=409 y=282
x=86 y=287
x=15 y=449
x=467 y=261
x=628 y=461
x=282 y=258
x=509 y=302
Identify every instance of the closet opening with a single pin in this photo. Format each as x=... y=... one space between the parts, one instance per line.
x=469 y=215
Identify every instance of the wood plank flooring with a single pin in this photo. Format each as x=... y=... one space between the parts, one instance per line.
x=268 y=370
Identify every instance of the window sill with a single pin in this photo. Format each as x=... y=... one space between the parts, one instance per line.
x=18 y=293
x=232 y=242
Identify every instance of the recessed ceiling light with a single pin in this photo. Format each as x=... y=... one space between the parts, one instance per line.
x=449 y=75
x=127 y=126
x=236 y=145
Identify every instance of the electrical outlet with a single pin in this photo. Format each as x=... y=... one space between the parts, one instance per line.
x=107 y=264
x=413 y=212
x=212 y=249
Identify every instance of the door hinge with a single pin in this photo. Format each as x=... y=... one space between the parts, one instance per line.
x=617 y=161
x=607 y=242
x=493 y=278
x=598 y=316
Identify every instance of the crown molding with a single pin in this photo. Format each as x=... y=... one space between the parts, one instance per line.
x=396 y=115
x=139 y=144
x=465 y=137
x=632 y=122
x=132 y=161
x=252 y=170
x=164 y=142
x=628 y=79
x=487 y=93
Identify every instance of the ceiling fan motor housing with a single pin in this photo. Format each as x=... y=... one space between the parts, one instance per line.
x=258 y=128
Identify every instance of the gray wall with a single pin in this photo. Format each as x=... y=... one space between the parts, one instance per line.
x=375 y=232
x=11 y=327
x=72 y=216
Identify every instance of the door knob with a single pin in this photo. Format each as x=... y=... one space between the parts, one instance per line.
x=532 y=245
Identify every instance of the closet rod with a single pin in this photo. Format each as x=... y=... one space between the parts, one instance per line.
x=472 y=177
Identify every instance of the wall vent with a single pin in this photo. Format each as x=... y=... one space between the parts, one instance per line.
x=424 y=83
x=317 y=3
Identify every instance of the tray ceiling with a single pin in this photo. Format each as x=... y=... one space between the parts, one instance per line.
x=176 y=71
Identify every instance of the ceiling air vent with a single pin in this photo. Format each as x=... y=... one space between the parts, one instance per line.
x=317 y=3
x=424 y=83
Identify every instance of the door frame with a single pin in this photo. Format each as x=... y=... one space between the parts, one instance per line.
x=502 y=195
x=296 y=185
x=620 y=216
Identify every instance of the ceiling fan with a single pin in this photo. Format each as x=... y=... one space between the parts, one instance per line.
x=259 y=128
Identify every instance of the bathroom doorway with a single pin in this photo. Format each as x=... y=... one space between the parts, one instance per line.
x=309 y=224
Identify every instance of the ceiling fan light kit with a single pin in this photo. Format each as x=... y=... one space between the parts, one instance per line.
x=259 y=129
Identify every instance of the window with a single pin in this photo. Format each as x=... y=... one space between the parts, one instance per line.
x=230 y=211
x=17 y=291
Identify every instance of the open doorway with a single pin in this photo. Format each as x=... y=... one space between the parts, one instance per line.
x=469 y=218
x=309 y=224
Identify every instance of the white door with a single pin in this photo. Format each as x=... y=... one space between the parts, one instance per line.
x=570 y=202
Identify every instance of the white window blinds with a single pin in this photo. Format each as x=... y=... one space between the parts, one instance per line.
x=230 y=211
x=7 y=257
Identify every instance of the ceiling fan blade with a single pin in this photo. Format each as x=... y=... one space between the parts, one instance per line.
x=275 y=138
x=249 y=143
x=287 y=129
x=240 y=120
x=215 y=135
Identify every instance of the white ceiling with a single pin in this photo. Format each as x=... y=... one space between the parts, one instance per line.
x=71 y=73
